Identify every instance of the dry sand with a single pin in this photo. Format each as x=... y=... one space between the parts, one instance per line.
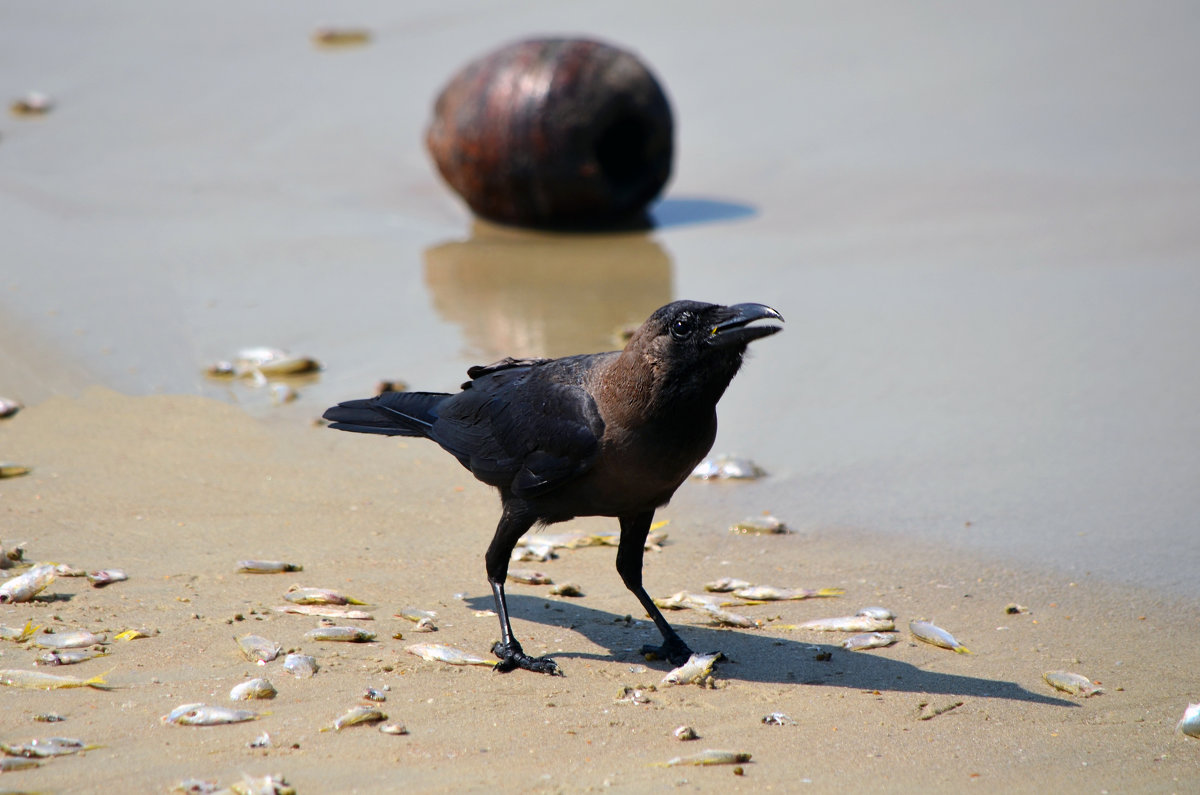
x=175 y=490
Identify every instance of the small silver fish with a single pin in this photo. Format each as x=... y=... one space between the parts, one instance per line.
x=326 y=611
x=261 y=785
x=778 y=719
x=252 y=688
x=263 y=361
x=653 y=543
x=11 y=763
x=37 y=680
x=529 y=577
x=531 y=553
x=727 y=584
x=267 y=566
x=870 y=640
x=28 y=585
x=393 y=728
x=440 y=652
x=1075 y=684
x=566 y=589
x=44 y=747
x=881 y=613
x=711 y=757
x=10 y=469
x=342 y=634
x=375 y=694
x=759 y=526
x=844 y=624
x=726 y=618
x=258 y=649
x=686 y=600
x=9 y=407
x=67 y=570
x=424 y=619
x=685 y=733
x=103 y=577
x=76 y=639
x=695 y=670
x=69 y=656
x=207 y=715
x=19 y=635
x=302 y=666
x=559 y=540
x=318 y=596
x=935 y=635
x=727 y=467
x=1190 y=724
x=356 y=716
x=769 y=593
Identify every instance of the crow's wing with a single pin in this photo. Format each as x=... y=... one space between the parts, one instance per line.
x=522 y=427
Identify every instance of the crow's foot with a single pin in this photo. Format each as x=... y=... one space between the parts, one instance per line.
x=673 y=649
x=513 y=657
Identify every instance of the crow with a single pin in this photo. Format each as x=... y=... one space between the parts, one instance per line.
x=602 y=434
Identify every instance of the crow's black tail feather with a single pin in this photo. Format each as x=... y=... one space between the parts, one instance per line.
x=391 y=414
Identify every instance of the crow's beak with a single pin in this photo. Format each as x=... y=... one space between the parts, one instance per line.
x=732 y=324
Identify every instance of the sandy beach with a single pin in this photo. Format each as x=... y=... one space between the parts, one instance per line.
x=979 y=224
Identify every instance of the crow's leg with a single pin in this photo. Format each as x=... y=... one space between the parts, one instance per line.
x=513 y=524
x=634 y=530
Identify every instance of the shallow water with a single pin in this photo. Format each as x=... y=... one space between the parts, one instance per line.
x=981 y=231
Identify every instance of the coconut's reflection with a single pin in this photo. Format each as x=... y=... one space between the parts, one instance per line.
x=519 y=293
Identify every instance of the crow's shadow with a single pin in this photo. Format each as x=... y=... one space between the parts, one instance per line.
x=757 y=657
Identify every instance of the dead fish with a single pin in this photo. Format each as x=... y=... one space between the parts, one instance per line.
x=207 y=715
x=881 y=613
x=535 y=554
x=69 y=656
x=301 y=666
x=1190 y=724
x=258 y=649
x=375 y=694
x=711 y=757
x=326 y=611
x=9 y=407
x=11 y=763
x=424 y=619
x=778 y=719
x=529 y=577
x=356 y=716
x=696 y=669
x=726 y=618
x=653 y=543
x=37 y=680
x=41 y=748
x=35 y=103
x=103 y=577
x=10 y=469
x=49 y=717
x=727 y=584
x=318 y=596
x=844 y=624
x=440 y=652
x=341 y=634
x=768 y=593
x=262 y=785
x=393 y=728
x=685 y=600
x=559 y=540
x=260 y=362
x=685 y=733
x=727 y=467
x=566 y=589
x=267 y=566
x=935 y=635
x=759 y=525
x=76 y=639
x=19 y=635
x=341 y=37
x=252 y=688
x=1075 y=684
x=67 y=570
x=870 y=640
x=28 y=585
x=261 y=741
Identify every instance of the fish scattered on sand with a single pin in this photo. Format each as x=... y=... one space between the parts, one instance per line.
x=1190 y=724
x=696 y=669
x=9 y=407
x=870 y=640
x=935 y=635
x=440 y=652
x=727 y=618
x=727 y=467
x=529 y=553
x=686 y=600
x=318 y=596
x=727 y=584
x=566 y=589
x=103 y=577
x=424 y=619
x=529 y=577
x=28 y=585
x=75 y=639
x=301 y=666
x=207 y=715
x=882 y=613
x=769 y=593
x=357 y=716
x=251 y=689
x=341 y=634
x=19 y=635
x=759 y=526
x=393 y=728
x=778 y=719
x=267 y=566
x=38 y=680
x=685 y=733
x=844 y=624
x=11 y=469
x=262 y=362
x=326 y=611
x=10 y=763
x=258 y=649
x=41 y=748
x=1075 y=684
x=69 y=656
x=711 y=757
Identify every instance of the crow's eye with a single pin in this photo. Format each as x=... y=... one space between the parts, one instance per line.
x=681 y=328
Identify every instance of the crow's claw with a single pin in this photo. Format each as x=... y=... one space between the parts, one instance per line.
x=513 y=657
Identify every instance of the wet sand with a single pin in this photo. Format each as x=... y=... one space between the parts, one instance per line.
x=175 y=490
